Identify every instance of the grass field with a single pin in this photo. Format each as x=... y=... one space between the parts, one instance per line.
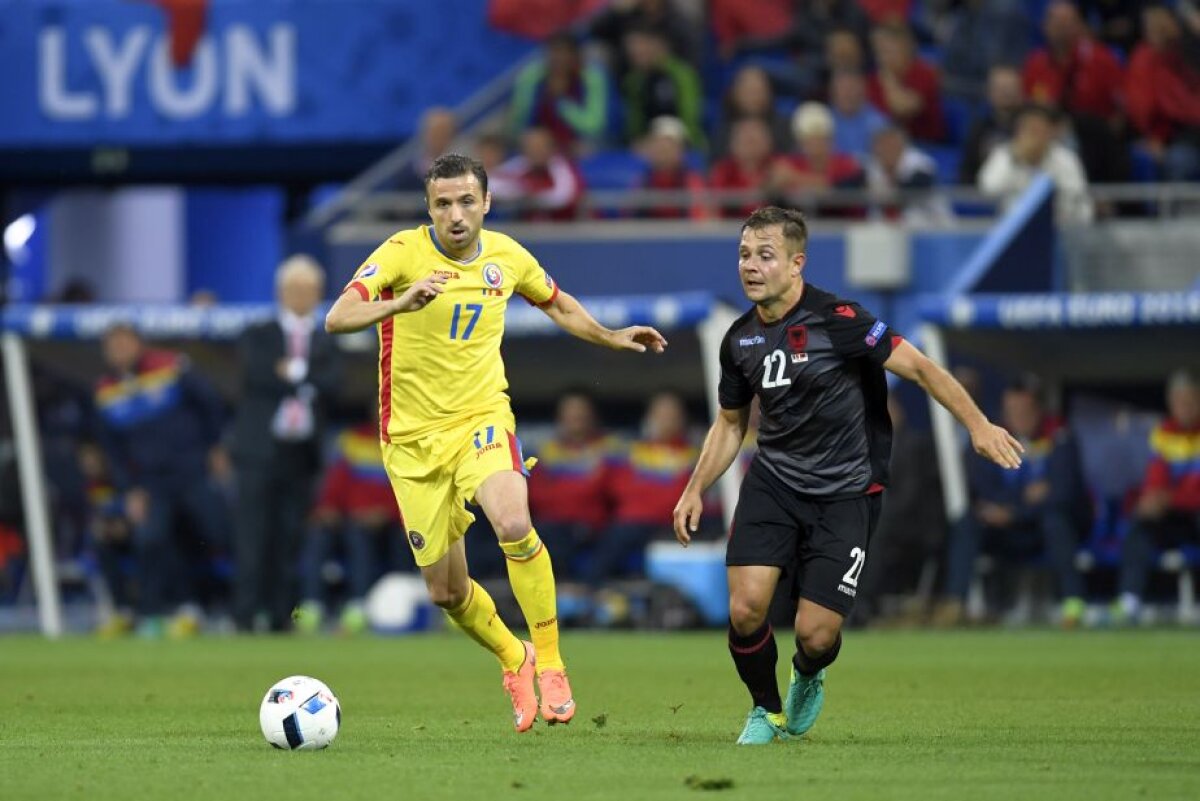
x=985 y=715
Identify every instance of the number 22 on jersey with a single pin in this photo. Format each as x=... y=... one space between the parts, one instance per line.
x=773 y=367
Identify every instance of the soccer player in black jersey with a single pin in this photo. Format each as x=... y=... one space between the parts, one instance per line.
x=812 y=495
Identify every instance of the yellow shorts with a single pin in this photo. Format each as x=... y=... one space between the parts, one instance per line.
x=434 y=476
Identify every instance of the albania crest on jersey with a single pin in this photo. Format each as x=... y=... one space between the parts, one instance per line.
x=493 y=276
x=797 y=336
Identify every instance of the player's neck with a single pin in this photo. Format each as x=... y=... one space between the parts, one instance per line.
x=772 y=311
x=466 y=253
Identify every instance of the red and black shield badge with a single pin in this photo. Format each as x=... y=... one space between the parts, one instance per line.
x=797 y=338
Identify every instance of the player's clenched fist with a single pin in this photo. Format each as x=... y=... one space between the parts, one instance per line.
x=687 y=517
x=419 y=295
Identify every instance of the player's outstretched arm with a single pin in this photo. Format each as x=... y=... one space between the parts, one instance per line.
x=570 y=315
x=721 y=446
x=351 y=313
x=989 y=440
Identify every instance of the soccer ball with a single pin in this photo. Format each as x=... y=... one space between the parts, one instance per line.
x=299 y=712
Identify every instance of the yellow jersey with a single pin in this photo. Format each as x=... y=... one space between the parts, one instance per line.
x=441 y=365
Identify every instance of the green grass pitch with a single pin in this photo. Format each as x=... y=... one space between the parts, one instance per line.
x=975 y=715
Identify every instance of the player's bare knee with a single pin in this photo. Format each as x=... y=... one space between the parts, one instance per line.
x=817 y=638
x=512 y=527
x=746 y=615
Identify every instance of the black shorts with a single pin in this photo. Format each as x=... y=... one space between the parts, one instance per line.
x=821 y=545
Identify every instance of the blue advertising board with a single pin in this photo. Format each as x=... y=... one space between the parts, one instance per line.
x=138 y=73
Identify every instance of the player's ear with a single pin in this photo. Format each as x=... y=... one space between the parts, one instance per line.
x=799 y=259
x=487 y=202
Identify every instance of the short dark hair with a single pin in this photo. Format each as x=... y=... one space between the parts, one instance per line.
x=452 y=165
x=795 y=227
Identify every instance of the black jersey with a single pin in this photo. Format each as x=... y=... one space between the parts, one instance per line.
x=818 y=373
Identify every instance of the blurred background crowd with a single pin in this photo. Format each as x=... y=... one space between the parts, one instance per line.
x=194 y=486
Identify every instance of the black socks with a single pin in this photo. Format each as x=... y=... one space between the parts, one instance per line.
x=755 y=655
x=810 y=665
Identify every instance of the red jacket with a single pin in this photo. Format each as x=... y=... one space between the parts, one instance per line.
x=570 y=482
x=728 y=174
x=929 y=124
x=356 y=482
x=842 y=168
x=1162 y=93
x=1089 y=82
x=1175 y=465
x=648 y=479
x=734 y=20
x=682 y=179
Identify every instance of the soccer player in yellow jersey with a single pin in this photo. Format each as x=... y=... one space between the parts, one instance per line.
x=438 y=295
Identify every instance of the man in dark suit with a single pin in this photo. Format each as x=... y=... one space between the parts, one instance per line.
x=290 y=370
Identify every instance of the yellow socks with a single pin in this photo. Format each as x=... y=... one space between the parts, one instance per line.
x=532 y=577
x=477 y=617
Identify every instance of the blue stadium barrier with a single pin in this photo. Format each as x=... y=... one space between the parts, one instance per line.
x=1059 y=311
x=227 y=322
x=1018 y=253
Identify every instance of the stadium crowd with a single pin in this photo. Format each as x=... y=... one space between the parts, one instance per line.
x=781 y=99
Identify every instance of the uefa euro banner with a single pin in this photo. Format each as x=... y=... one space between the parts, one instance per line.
x=145 y=73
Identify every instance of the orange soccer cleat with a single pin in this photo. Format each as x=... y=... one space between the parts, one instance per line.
x=558 y=706
x=519 y=686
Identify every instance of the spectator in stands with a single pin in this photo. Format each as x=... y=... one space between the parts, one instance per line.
x=1163 y=94
x=545 y=184
x=747 y=167
x=568 y=489
x=492 y=150
x=645 y=482
x=664 y=16
x=818 y=166
x=855 y=121
x=356 y=507
x=983 y=34
x=1040 y=508
x=438 y=128
x=159 y=424
x=904 y=86
x=1034 y=149
x=750 y=95
x=897 y=166
x=562 y=94
x=1074 y=71
x=659 y=84
x=1005 y=97
x=1167 y=514
x=290 y=371
x=665 y=151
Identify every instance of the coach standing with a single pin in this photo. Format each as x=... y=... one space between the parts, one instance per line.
x=289 y=371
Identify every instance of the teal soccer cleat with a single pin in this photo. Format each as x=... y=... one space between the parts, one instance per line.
x=762 y=727
x=805 y=697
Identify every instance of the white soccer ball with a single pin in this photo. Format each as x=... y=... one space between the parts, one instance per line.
x=298 y=713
